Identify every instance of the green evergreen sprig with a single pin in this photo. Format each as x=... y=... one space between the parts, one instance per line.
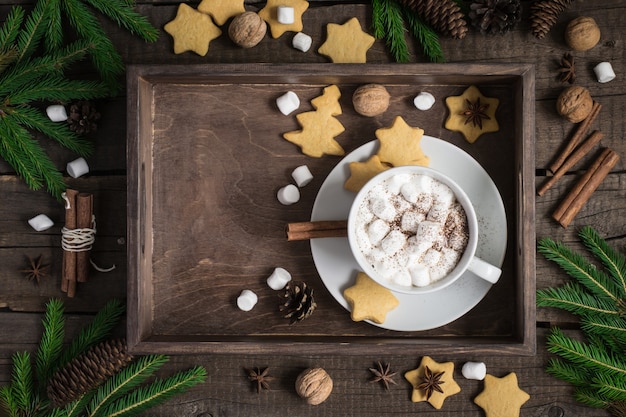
x=596 y=366
x=124 y=394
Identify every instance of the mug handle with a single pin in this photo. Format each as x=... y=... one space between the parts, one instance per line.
x=484 y=270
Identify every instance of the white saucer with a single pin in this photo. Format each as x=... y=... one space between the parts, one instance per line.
x=337 y=267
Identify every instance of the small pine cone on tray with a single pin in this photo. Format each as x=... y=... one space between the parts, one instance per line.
x=544 y=14
x=83 y=117
x=495 y=16
x=88 y=371
x=297 y=302
x=445 y=16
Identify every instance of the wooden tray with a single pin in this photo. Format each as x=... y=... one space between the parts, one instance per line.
x=205 y=159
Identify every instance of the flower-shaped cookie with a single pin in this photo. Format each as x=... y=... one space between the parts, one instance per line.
x=472 y=114
x=369 y=300
x=400 y=144
x=221 y=10
x=192 y=30
x=270 y=14
x=432 y=382
x=501 y=397
x=346 y=43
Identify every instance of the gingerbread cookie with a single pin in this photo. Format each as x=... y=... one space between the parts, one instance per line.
x=400 y=144
x=346 y=43
x=432 y=382
x=192 y=31
x=270 y=14
x=362 y=172
x=472 y=114
x=501 y=397
x=369 y=300
x=221 y=10
x=320 y=127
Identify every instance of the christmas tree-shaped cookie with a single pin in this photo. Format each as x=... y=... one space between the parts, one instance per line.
x=319 y=127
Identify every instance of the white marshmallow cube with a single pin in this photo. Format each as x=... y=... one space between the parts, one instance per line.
x=396 y=182
x=41 y=222
x=288 y=195
x=420 y=275
x=402 y=278
x=424 y=101
x=247 y=300
x=377 y=230
x=393 y=242
x=56 y=113
x=604 y=72
x=302 y=175
x=78 y=167
x=302 y=41
x=288 y=102
x=278 y=279
x=383 y=209
x=285 y=15
x=474 y=370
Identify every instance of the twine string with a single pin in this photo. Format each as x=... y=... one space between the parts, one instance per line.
x=81 y=239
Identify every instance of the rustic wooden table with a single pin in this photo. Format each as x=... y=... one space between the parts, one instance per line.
x=227 y=392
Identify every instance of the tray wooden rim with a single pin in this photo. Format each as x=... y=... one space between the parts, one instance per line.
x=141 y=77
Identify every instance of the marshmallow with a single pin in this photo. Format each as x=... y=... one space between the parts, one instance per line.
x=411 y=191
x=393 y=242
x=285 y=15
x=78 y=167
x=474 y=370
x=383 y=209
x=41 y=222
x=424 y=101
x=420 y=276
x=302 y=176
x=410 y=220
x=288 y=102
x=288 y=195
x=402 y=278
x=279 y=278
x=56 y=113
x=247 y=300
x=604 y=72
x=302 y=41
x=396 y=182
x=377 y=230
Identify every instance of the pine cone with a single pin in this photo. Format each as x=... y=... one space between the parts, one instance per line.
x=445 y=16
x=83 y=117
x=544 y=14
x=87 y=371
x=297 y=302
x=495 y=16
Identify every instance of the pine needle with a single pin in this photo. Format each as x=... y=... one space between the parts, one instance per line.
x=51 y=343
x=122 y=13
x=614 y=261
x=572 y=297
x=22 y=382
x=394 y=30
x=426 y=35
x=9 y=30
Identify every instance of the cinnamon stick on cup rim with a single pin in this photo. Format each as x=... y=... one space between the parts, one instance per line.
x=316 y=229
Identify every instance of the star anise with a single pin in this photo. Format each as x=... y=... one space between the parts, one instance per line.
x=37 y=270
x=567 y=70
x=475 y=113
x=431 y=382
x=382 y=373
x=261 y=378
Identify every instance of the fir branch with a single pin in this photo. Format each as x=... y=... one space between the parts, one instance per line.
x=7 y=400
x=378 y=21
x=155 y=393
x=394 y=30
x=563 y=370
x=596 y=281
x=120 y=384
x=11 y=28
x=58 y=89
x=588 y=396
x=51 y=342
x=426 y=35
x=573 y=298
x=610 y=386
x=122 y=13
x=22 y=382
x=614 y=261
x=77 y=407
x=30 y=36
x=95 y=332
x=11 y=151
x=593 y=357
x=606 y=327
x=54 y=29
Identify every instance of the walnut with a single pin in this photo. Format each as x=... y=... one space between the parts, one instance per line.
x=314 y=385
x=247 y=29
x=370 y=100
x=582 y=33
x=574 y=103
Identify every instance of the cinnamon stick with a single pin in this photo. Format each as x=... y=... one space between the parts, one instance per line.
x=584 y=188
x=581 y=151
x=581 y=130
x=316 y=229
x=68 y=276
x=84 y=208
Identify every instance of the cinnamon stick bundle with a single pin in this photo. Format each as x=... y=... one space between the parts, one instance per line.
x=316 y=229
x=68 y=275
x=584 y=188
x=84 y=219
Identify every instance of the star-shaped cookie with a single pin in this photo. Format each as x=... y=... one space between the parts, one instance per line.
x=400 y=144
x=447 y=383
x=191 y=30
x=501 y=397
x=346 y=43
x=472 y=114
x=320 y=127
x=270 y=14
x=221 y=10
x=362 y=172
x=369 y=300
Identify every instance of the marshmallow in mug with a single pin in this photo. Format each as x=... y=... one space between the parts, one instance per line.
x=288 y=102
x=302 y=175
x=302 y=41
x=604 y=72
x=247 y=300
x=278 y=279
x=289 y=194
x=41 y=222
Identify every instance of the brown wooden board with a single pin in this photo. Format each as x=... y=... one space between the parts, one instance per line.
x=205 y=160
